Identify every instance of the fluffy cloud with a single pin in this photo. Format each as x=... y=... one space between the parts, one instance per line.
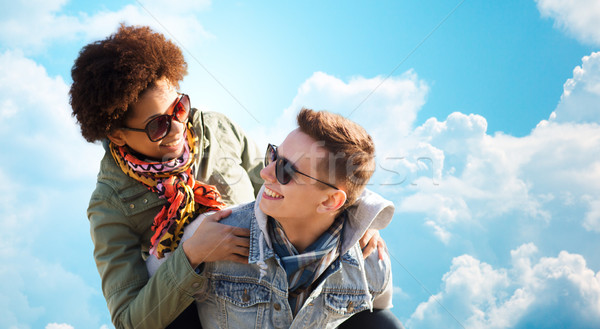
x=579 y=101
x=579 y=18
x=592 y=217
x=59 y=326
x=37 y=131
x=43 y=152
x=485 y=177
x=452 y=170
x=455 y=173
x=480 y=177
x=364 y=100
x=175 y=19
x=467 y=184
x=548 y=292
x=34 y=288
x=33 y=25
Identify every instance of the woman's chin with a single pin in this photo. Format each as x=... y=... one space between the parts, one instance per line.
x=173 y=150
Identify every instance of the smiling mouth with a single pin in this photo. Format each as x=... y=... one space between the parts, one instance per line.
x=272 y=193
x=174 y=143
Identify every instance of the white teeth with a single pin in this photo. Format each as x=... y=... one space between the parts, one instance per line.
x=272 y=193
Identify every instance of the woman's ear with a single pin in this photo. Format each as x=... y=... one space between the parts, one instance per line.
x=334 y=201
x=117 y=137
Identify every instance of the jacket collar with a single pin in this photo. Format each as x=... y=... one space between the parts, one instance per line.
x=259 y=235
x=369 y=210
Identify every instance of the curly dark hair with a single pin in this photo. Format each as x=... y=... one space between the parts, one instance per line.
x=111 y=74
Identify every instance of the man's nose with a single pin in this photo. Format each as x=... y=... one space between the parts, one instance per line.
x=268 y=173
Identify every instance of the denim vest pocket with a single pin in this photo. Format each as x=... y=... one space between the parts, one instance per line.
x=346 y=303
x=242 y=294
x=241 y=304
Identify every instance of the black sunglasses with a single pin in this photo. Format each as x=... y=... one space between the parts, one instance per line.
x=284 y=169
x=160 y=126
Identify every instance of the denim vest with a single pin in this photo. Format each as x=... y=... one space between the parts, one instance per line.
x=255 y=295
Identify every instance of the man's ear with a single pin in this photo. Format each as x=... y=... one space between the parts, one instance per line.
x=334 y=201
x=117 y=137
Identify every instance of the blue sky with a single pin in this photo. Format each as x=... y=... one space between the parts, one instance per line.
x=485 y=116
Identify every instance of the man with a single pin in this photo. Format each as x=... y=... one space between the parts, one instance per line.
x=306 y=268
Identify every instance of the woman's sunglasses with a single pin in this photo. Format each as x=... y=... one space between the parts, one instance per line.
x=284 y=169
x=159 y=127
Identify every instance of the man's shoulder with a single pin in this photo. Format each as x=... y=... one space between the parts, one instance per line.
x=241 y=215
x=376 y=272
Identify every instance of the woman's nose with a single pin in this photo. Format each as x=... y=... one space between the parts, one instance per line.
x=177 y=127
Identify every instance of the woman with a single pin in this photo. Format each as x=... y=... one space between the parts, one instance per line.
x=124 y=94
x=165 y=163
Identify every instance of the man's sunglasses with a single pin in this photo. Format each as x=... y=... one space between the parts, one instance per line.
x=284 y=169
x=160 y=126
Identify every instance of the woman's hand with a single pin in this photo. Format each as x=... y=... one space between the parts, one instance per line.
x=371 y=240
x=214 y=241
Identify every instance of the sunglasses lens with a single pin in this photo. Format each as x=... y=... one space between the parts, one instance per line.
x=282 y=177
x=158 y=127
x=182 y=108
x=283 y=171
x=270 y=155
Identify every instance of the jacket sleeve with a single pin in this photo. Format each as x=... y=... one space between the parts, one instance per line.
x=252 y=161
x=134 y=301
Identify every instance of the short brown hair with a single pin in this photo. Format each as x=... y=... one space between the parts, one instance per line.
x=351 y=149
x=111 y=74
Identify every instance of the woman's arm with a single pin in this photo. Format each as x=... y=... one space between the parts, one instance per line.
x=134 y=300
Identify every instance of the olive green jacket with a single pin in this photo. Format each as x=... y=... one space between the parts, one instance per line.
x=121 y=212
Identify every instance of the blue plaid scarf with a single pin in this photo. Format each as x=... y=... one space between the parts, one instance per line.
x=305 y=268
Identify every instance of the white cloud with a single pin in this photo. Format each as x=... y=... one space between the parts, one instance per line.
x=363 y=100
x=481 y=178
x=439 y=231
x=399 y=293
x=175 y=20
x=488 y=193
x=592 y=218
x=476 y=177
x=35 y=289
x=45 y=162
x=59 y=326
x=37 y=126
x=33 y=25
x=579 y=18
x=579 y=101
x=547 y=292
x=452 y=171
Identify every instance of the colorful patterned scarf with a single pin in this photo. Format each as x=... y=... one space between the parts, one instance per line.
x=172 y=180
x=305 y=268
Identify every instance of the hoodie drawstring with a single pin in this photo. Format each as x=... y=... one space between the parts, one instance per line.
x=364 y=279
